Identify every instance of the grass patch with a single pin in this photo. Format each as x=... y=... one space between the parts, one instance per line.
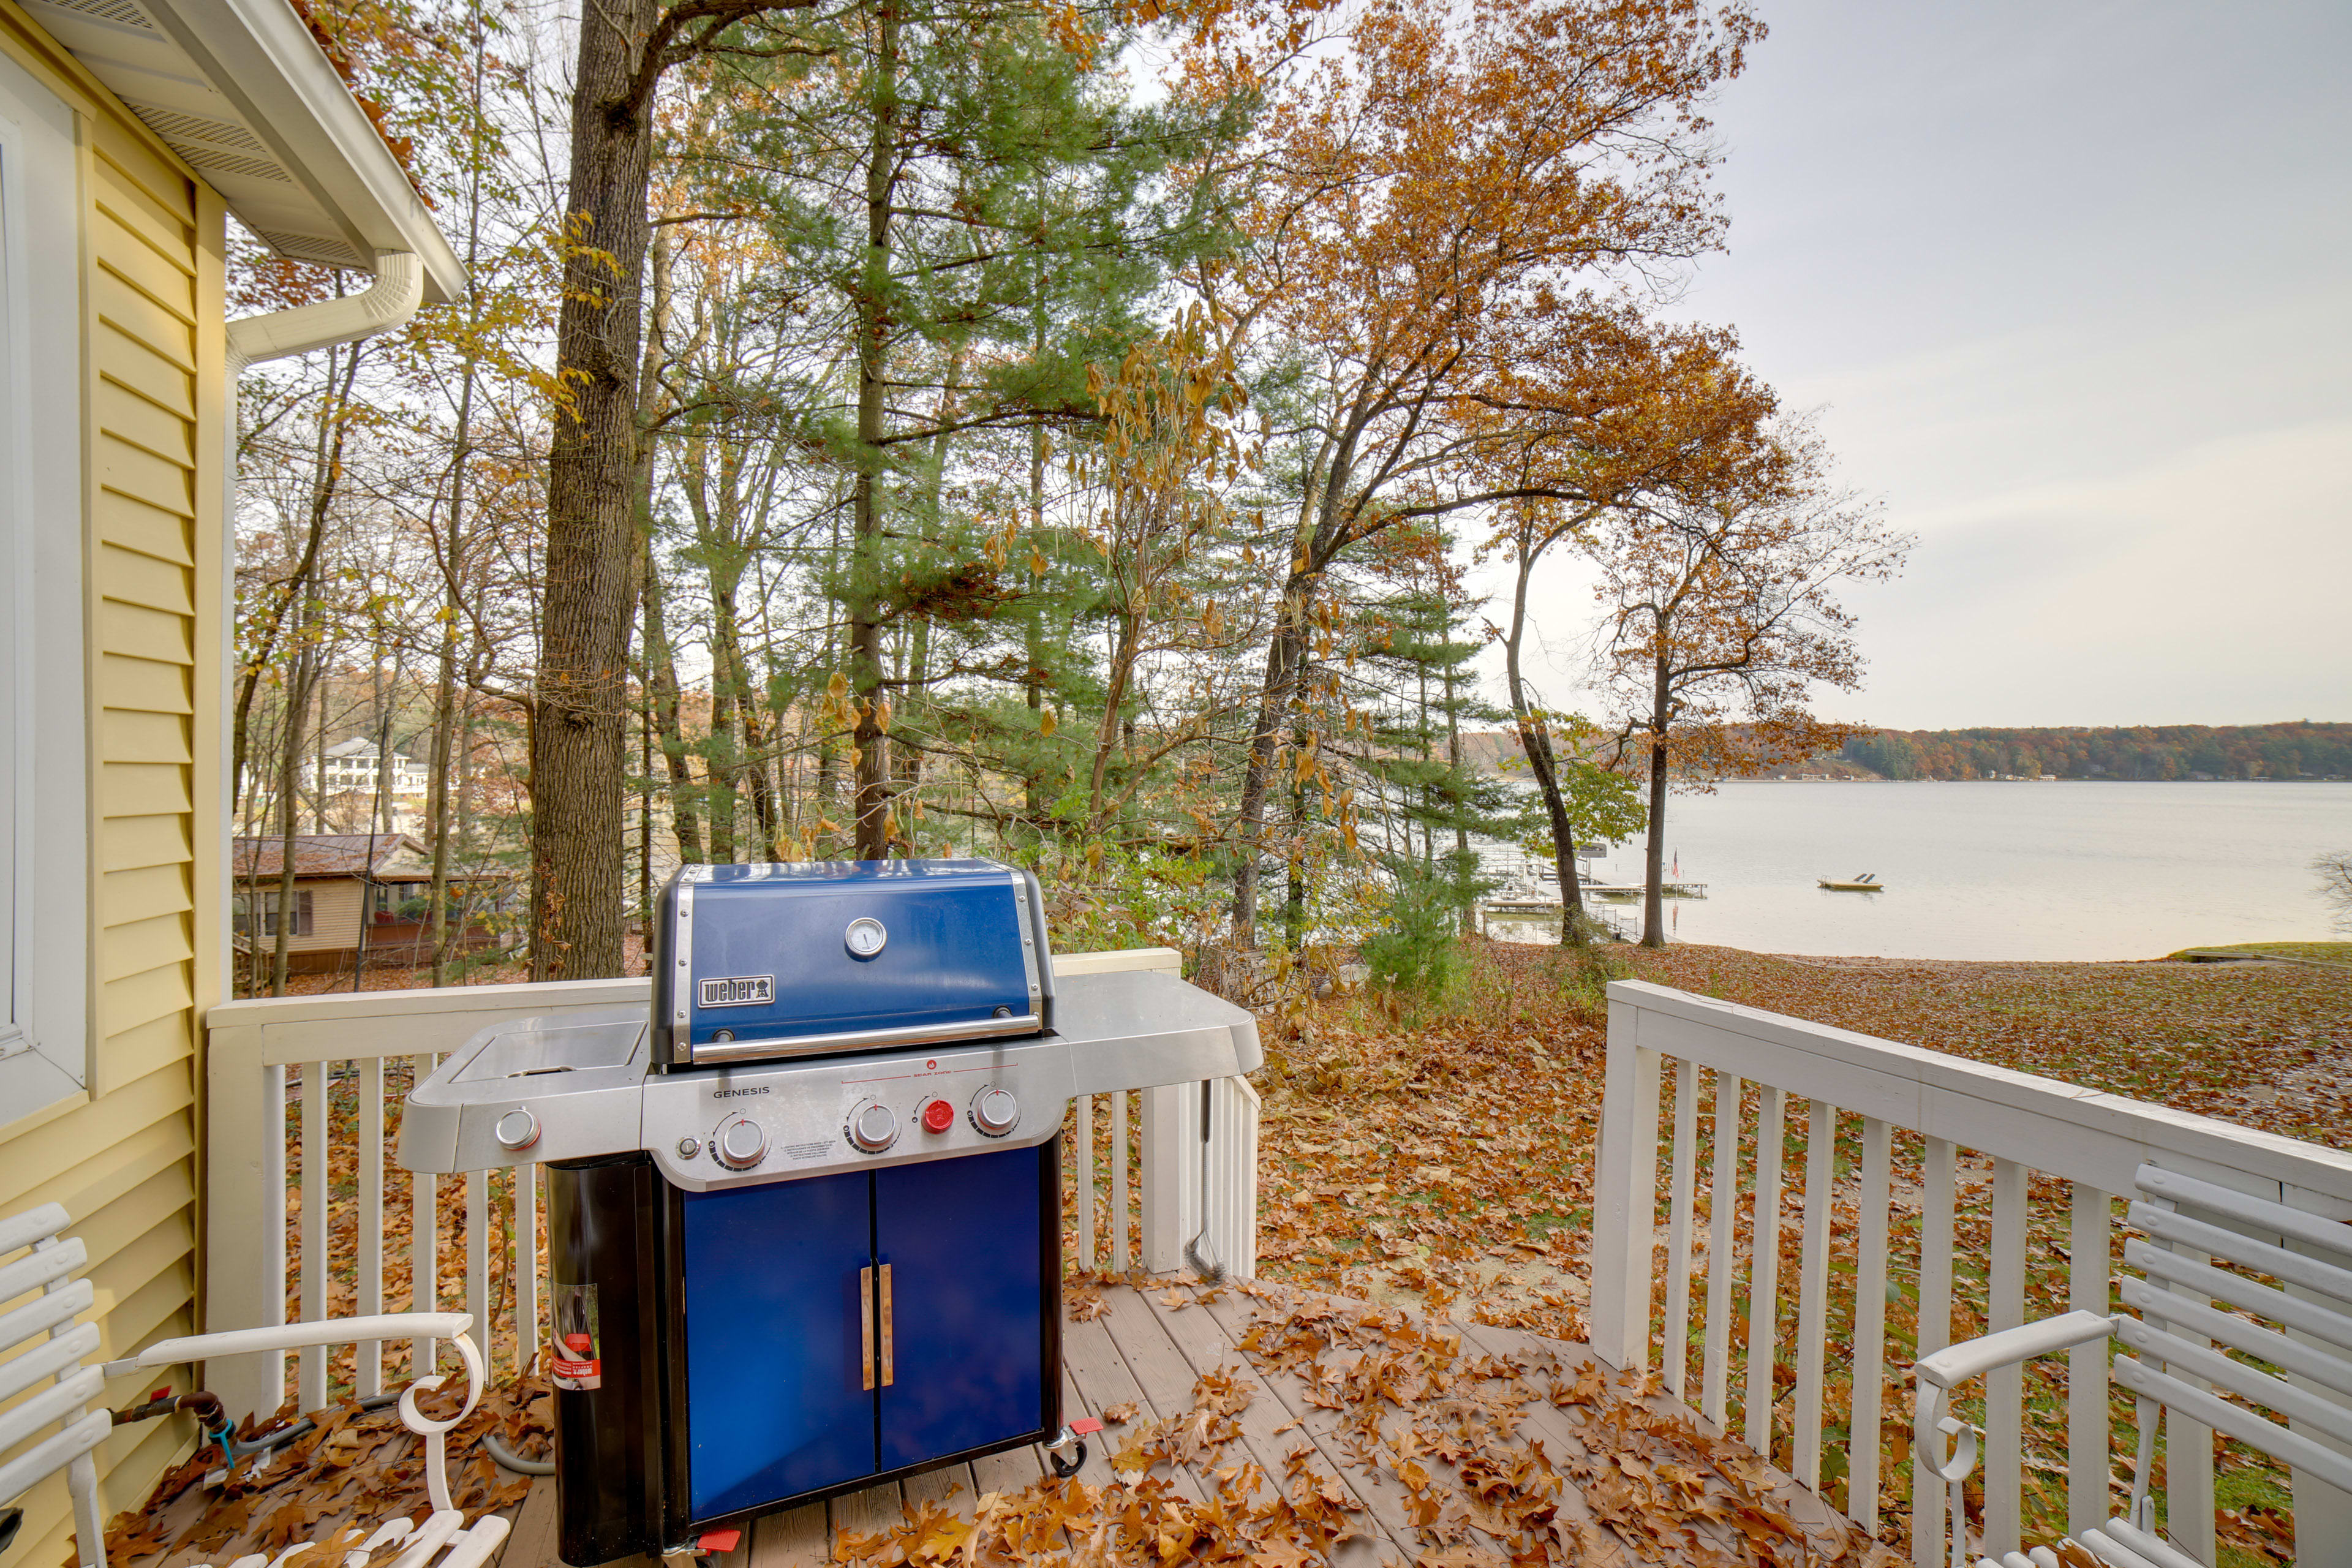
x=2309 y=952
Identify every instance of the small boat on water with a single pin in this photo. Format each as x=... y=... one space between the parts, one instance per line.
x=1867 y=882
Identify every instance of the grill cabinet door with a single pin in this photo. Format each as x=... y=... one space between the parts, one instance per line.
x=776 y=1394
x=967 y=1241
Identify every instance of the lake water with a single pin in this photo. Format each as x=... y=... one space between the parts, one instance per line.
x=1988 y=870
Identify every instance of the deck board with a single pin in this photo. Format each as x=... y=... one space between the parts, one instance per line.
x=1385 y=1498
x=1269 y=1431
x=1149 y=1348
x=531 y=1541
x=1107 y=1377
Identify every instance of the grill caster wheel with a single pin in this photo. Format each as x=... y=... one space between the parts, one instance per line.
x=1070 y=1466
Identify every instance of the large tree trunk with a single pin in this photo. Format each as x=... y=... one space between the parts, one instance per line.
x=452 y=552
x=578 y=733
x=289 y=826
x=661 y=673
x=1653 y=901
x=1284 y=654
x=1462 y=880
x=864 y=611
x=1535 y=740
x=728 y=744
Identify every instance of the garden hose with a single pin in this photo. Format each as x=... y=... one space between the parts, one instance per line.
x=509 y=1459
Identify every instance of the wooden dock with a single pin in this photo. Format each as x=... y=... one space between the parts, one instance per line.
x=1261 y=1425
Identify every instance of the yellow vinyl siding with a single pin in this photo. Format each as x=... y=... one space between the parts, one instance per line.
x=154 y=686
x=134 y=789
x=123 y=1158
x=162 y=534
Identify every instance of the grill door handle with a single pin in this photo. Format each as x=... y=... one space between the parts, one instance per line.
x=865 y=1319
x=889 y=1368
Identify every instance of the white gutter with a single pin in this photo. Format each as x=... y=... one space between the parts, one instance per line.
x=387 y=303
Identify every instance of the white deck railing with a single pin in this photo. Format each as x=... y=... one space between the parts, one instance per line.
x=378 y=1042
x=1954 y=1117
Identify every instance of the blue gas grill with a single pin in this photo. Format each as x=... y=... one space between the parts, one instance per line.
x=804 y=1221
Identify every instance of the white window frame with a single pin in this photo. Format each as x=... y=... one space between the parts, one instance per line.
x=44 y=812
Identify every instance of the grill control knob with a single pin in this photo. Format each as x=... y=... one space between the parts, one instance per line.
x=873 y=1128
x=939 y=1116
x=741 y=1144
x=517 y=1129
x=996 y=1112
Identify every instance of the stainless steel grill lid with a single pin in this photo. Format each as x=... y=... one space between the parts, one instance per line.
x=762 y=962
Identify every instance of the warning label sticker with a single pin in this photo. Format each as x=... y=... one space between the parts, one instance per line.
x=576 y=1360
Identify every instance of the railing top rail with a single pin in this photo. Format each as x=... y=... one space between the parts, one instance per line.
x=2062 y=1129
x=528 y=996
x=334 y=1024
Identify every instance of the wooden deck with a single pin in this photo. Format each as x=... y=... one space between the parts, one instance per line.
x=1281 y=1428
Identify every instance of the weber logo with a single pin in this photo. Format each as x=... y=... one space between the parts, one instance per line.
x=738 y=991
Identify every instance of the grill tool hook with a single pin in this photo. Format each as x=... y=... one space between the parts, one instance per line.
x=1197 y=1251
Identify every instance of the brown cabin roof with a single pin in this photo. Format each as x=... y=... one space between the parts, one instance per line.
x=326 y=853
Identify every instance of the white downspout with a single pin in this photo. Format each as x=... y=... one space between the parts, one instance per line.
x=388 y=303
x=383 y=306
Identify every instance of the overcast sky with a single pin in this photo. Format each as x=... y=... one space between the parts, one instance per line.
x=2071 y=286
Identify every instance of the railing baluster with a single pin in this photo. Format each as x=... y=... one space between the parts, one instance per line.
x=1869 y=1325
x=2188 y=1448
x=1678 y=1225
x=310 y=1383
x=1722 y=1247
x=1764 y=1268
x=367 y=1357
x=273 y=1219
x=1237 y=1136
x=1119 y=1253
x=478 y=1259
x=526 y=1266
x=2004 y=1452
x=1089 y=1254
x=423 y=1236
x=1812 y=1291
x=1625 y=1199
x=1935 y=1325
x=2090 y=1249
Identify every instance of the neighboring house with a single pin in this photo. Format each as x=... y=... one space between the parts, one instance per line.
x=351 y=766
x=354 y=894
x=129 y=130
x=337 y=793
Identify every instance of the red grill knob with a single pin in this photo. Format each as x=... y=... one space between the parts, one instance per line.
x=939 y=1116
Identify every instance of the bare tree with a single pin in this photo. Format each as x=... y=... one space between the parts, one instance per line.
x=2334 y=868
x=1721 y=618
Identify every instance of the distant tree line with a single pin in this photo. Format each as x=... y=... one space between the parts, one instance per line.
x=2302 y=750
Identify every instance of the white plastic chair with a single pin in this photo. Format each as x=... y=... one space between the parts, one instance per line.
x=2164 y=1359
x=61 y=1358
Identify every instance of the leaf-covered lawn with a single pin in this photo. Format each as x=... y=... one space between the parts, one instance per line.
x=1446 y=1161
